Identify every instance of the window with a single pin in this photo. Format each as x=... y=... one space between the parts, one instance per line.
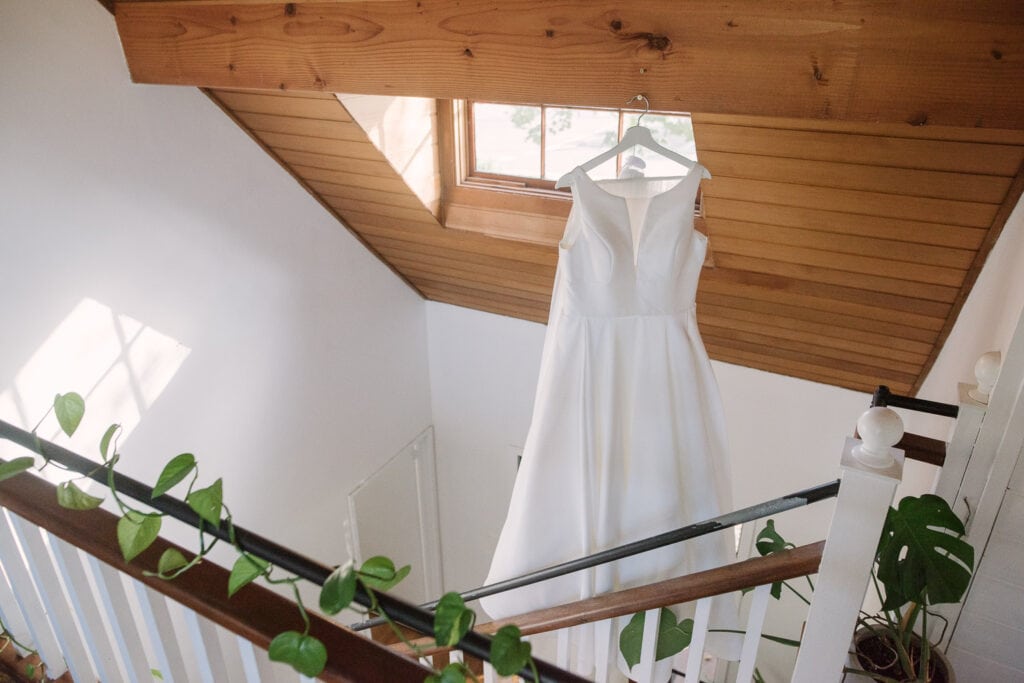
x=499 y=162
x=534 y=145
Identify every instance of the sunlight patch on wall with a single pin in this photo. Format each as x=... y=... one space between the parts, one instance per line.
x=118 y=364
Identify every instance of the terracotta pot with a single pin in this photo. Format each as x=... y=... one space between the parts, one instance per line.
x=865 y=641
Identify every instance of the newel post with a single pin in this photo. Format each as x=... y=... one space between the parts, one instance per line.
x=871 y=469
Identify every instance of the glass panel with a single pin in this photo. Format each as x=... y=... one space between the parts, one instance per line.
x=575 y=135
x=507 y=139
x=672 y=131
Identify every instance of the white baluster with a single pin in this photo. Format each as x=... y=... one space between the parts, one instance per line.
x=871 y=469
x=602 y=661
x=206 y=648
x=41 y=567
x=161 y=633
x=490 y=675
x=695 y=660
x=10 y=613
x=752 y=638
x=121 y=620
x=83 y=601
x=562 y=649
x=644 y=671
x=28 y=601
x=248 y=656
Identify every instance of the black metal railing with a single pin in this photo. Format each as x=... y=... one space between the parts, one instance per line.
x=883 y=397
x=685 y=533
x=406 y=614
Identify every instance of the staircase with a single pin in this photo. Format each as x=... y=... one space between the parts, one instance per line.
x=66 y=592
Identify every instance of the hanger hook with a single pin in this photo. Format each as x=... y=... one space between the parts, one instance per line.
x=647 y=105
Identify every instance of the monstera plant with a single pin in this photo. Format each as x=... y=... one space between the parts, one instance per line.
x=922 y=560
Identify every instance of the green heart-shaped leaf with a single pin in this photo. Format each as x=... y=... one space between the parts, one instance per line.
x=73 y=498
x=105 y=440
x=453 y=673
x=769 y=542
x=207 y=503
x=174 y=472
x=922 y=555
x=379 y=573
x=69 y=409
x=247 y=569
x=452 y=620
x=136 y=532
x=16 y=466
x=509 y=654
x=339 y=590
x=673 y=637
x=170 y=560
x=305 y=654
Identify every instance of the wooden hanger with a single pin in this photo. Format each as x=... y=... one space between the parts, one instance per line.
x=635 y=135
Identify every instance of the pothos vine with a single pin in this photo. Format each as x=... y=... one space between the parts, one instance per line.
x=137 y=529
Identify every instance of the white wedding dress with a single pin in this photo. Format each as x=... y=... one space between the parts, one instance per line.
x=628 y=436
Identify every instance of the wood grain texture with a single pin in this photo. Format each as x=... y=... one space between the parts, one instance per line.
x=956 y=63
x=781 y=566
x=255 y=613
x=841 y=250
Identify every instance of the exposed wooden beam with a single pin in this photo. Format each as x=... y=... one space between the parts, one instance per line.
x=942 y=62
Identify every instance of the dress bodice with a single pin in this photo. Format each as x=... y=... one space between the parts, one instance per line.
x=628 y=251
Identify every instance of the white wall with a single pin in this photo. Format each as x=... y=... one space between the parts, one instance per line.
x=273 y=345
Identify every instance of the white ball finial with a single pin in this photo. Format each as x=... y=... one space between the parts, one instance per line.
x=986 y=371
x=879 y=429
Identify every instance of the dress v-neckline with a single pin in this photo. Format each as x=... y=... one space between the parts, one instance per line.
x=636 y=241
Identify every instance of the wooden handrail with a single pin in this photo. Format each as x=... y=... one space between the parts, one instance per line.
x=924 y=449
x=732 y=577
x=255 y=613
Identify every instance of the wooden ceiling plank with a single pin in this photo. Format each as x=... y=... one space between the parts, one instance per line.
x=328 y=108
x=844 y=307
x=882 y=179
x=837 y=368
x=830 y=60
x=836 y=260
x=1001 y=136
x=537 y=283
x=844 y=278
x=870 y=343
x=546 y=271
x=781 y=368
x=338 y=148
x=923 y=209
x=998 y=223
x=838 y=320
x=726 y=329
x=279 y=93
x=457 y=240
x=838 y=222
x=368 y=167
x=497 y=283
x=420 y=216
x=889 y=250
x=405 y=199
x=927 y=155
x=355 y=179
x=294 y=125
x=505 y=299
x=824 y=296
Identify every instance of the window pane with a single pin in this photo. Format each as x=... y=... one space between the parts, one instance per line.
x=575 y=135
x=674 y=132
x=507 y=139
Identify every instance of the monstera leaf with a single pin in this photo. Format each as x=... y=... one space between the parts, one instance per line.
x=922 y=556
